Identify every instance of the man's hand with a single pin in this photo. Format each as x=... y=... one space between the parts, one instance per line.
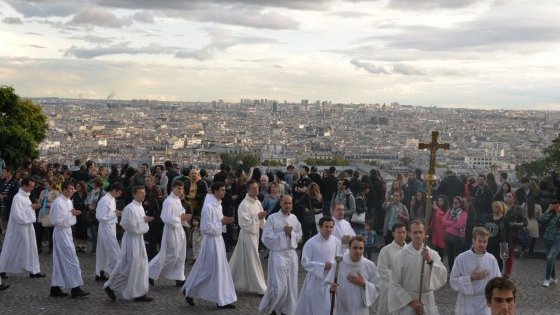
x=417 y=306
x=479 y=274
x=426 y=254
x=333 y=287
x=262 y=214
x=358 y=280
x=227 y=220
x=328 y=265
x=346 y=239
x=186 y=216
x=118 y=213
x=76 y=212
x=288 y=230
x=148 y=219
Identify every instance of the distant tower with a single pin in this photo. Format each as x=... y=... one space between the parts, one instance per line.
x=274 y=106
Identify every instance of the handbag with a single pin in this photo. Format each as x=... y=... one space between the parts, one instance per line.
x=359 y=218
x=44 y=218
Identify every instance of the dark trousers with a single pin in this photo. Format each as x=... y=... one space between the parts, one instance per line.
x=454 y=246
x=308 y=230
x=153 y=243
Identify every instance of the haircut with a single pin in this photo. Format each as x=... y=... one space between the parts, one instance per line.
x=500 y=283
x=325 y=219
x=397 y=225
x=216 y=186
x=251 y=182
x=479 y=231
x=415 y=222
x=341 y=204
x=501 y=204
x=178 y=183
x=306 y=168
x=482 y=175
x=26 y=181
x=525 y=180
x=97 y=182
x=358 y=238
x=67 y=184
x=136 y=188
x=116 y=186
x=344 y=182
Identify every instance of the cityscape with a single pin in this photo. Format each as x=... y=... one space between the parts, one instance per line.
x=382 y=135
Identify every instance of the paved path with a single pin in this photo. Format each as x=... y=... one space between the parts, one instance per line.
x=31 y=296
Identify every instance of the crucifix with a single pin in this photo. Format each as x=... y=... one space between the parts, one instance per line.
x=430 y=178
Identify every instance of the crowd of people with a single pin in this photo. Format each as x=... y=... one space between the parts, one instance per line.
x=330 y=219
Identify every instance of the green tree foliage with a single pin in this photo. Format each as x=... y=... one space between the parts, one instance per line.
x=272 y=163
x=326 y=162
x=23 y=127
x=539 y=168
x=406 y=160
x=242 y=160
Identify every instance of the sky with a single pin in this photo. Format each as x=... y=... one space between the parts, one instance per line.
x=447 y=53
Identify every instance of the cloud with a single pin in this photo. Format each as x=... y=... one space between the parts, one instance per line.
x=267 y=20
x=369 y=67
x=188 y=5
x=407 y=69
x=12 y=20
x=120 y=48
x=146 y=17
x=39 y=8
x=94 y=39
x=96 y=16
x=396 y=68
x=37 y=46
x=431 y=4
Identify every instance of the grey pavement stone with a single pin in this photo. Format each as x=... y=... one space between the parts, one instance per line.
x=31 y=296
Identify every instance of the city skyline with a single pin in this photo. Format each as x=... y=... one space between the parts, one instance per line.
x=459 y=53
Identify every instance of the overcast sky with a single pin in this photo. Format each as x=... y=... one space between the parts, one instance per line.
x=467 y=53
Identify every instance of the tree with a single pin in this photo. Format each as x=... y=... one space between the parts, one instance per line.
x=23 y=125
x=242 y=160
x=406 y=160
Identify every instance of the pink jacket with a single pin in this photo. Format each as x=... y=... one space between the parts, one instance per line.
x=437 y=228
x=455 y=228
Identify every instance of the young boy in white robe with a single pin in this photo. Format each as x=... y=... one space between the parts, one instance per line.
x=66 y=271
x=342 y=229
x=317 y=259
x=358 y=283
x=385 y=263
x=471 y=272
x=130 y=276
x=107 y=249
x=281 y=235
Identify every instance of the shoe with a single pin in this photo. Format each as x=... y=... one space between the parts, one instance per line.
x=546 y=283
x=3 y=275
x=101 y=278
x=151 y=281
x=553 y=281
x=143 y=298
x=37 y=275
x=179 y=283
x=228 y=306
x=4 y=287
x=57 y=292
x=77 y=293
x=190 y=300
x=110 y=293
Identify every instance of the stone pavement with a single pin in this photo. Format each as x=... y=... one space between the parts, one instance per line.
x=31 y=296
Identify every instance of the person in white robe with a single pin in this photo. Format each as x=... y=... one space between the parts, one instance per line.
x=342 y=229
x=317 y=259
x=210 y=278
x=19 y=252
x=66 y=271
x=169 y=263
x=385 y=263
x=471 y=272
x=281 y=235
x=107 y=249
x=245 y=264
x=358 y=283
x=130 y=276
x=405 y=276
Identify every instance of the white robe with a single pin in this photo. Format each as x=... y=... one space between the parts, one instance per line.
x=385 y=263
x=314 y=298
x=352 y=299
x=19 y=252
x=66 y=267
x=405 y=276
x=342 y=228
x=170 y=261
x=107 y=251
x=470 y=297
x=210 y=278
x=282 y=285
x=130 y=276
x=245 y=264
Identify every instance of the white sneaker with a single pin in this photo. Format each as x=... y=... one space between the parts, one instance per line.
x=553 y=281
x=546 y=283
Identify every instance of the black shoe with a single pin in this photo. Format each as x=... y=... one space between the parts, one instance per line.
x=101 y=278
x=110 y=293
x=77 y=292
x=190 y=300
x=151 y=281
x=3 y=275
x=179 y=283
x=228 y=306
x=143 y=298
x=57 y=292
x=4 y=287
x=37 y=275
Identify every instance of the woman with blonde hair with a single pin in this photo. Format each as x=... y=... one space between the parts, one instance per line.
x=499 y=230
